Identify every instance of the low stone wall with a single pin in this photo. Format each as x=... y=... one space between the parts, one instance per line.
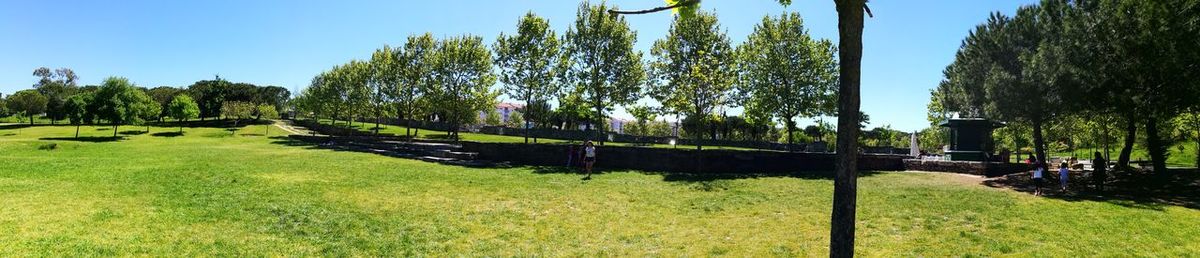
x=681 y=160
x=988 y=169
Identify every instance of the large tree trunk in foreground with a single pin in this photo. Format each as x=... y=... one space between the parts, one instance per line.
x=1130 y=137
x=1154 y=142
x=845 y=183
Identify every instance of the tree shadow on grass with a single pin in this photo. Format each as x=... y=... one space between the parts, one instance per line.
x=14 y=126
x=1134 y=189
x=85 y=139
x=252 y=134
x=352 y=145
x=132 y=132
x=167 y=134
x=696 y=177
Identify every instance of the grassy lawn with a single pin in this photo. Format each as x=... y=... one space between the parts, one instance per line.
x=208 y=192
x=479 y=137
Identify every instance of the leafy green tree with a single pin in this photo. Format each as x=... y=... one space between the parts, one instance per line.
x=1003 y=67
x=266 y=111
x=786 y=72
x=642 y=114
x=527 y=62
x=601 y=65
x=1188 y=126
x=1136 y=59
x=463 y=69
x=183 y=108
x=693 y=70
x=516 y=120
x=163 y=96
x=275 y=96
x=209 y=96
x=75 y=108
x=415 y=79
x=57 y=86
x=492 y=117
x=27 y=103
x=381 y=82
x=120 y=102
x=238 y=110
x=3 y=106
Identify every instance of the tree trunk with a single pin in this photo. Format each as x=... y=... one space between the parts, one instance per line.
x=789 y=124
x=600 y=123
x=114 y=130
x=1130 y=137
x=845 y=192
x=76 y=130
x=31 y=119
x=1154 y=142
x=1039 y=143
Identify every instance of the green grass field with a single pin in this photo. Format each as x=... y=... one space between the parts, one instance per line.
x=213 y=193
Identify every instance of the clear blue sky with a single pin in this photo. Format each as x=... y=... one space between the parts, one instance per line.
x=285 y=43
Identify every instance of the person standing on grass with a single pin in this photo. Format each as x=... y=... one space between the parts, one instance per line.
x=1063 y=172
x=1039 y=167
x=589 y=158
x=1099 y=167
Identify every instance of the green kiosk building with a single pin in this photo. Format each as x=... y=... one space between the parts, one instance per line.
x=971 y=139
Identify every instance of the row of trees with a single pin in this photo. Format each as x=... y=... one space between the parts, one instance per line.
x=1126 y=64
x=781 y=73
x=117 y=101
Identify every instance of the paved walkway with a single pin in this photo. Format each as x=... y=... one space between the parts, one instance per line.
x=287 y=125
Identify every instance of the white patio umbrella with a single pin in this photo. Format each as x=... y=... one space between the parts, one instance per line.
x=913 y=149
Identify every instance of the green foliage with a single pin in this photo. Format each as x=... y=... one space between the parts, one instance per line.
x=238 y=109
x=1058 y=62
x=415 y=77
x=463 y=70
x=492 y=117
x=528 y=61
x=27 y=103
x=266 y=111
x=163 y=95
x=383 y=80
x=57 y=86
x=76 y=107
x=785 y=72
x=693 y=72
x=183 y=108
x=515 y=120
x=601 y=66
x=120 y=102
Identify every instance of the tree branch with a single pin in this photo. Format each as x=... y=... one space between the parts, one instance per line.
x=657 y=9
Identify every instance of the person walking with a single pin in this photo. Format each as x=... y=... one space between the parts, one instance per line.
x=1038 y=170
x=1099 y=168
x=589 y=158
x=1063 y=172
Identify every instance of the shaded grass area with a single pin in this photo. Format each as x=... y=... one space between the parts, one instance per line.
x=212 y=192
